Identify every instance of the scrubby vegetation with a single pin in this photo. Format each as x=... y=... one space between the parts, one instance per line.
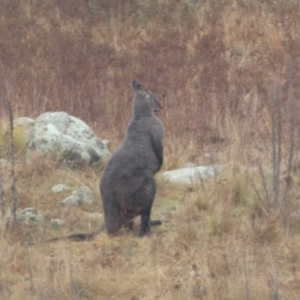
x=227 y=74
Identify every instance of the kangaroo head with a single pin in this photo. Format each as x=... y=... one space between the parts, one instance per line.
x=145 y=98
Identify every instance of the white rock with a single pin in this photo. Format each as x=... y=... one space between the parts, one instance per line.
x=83 y=195
x=57 y=223
x=64 y=137
x=59 y=188
x=30 y=216
x=192 y=174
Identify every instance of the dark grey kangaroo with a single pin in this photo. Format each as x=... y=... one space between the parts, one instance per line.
x=127 y=185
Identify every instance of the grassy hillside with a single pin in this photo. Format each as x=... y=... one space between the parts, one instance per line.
x=227 y=74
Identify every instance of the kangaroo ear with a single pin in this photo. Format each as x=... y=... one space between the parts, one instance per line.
x=137 y=86
x=139 y=89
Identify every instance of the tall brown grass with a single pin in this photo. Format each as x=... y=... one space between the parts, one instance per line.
x=208 y=63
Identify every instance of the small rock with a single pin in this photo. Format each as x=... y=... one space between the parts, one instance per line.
x=71 y=200
x=59 y=188
x=57 y=223
x=191 y=175
x=83 y=195
x=30 y=216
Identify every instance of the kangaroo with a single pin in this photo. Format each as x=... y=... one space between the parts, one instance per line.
x=127 y=185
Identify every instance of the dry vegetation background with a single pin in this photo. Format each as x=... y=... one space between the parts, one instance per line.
x=226 y=73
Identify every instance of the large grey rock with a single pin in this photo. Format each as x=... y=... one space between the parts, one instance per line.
x=83 y=195
x=66 y=138
x=191 y=175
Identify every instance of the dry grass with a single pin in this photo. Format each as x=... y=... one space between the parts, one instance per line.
x=213 y=244
x=227 y=74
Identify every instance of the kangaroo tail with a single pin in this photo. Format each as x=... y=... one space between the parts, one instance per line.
x=155 y=222
x=77 y=237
